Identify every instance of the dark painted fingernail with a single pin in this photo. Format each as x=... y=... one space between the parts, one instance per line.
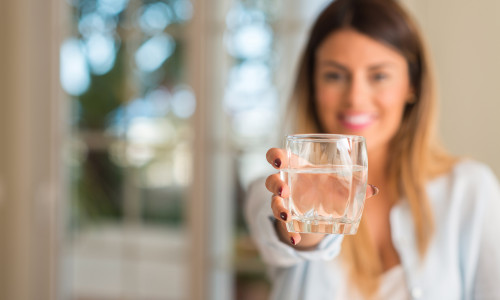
x=375 y=190
x=292 y=241
x=283 y=216
x=277 y=162
x=280 y=191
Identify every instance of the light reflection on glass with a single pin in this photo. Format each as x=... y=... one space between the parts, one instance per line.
x=95 y=22
x=155 y=17
x=150 y=131
x=144 y=138
x=250 y=41
x=101 y=53
x=75 y=78
x=111 y=7
x=236 y=101
x=183 y=10
x=249 y=86
x=183 y=102
x=240 y=15
x=142 y=108
x=156 y=104
x=160 y=100
x=151 y=55
x=255 y=123
x=250 y=77
x=138 y=154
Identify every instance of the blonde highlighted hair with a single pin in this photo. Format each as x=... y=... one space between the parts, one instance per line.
x=415 y=153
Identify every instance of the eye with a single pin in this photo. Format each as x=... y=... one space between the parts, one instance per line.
x=379 y=76
x=333 y=76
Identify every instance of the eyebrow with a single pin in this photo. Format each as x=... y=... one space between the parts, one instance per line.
x=333 y=63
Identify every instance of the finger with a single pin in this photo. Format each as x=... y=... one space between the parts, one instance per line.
x=294 y=238
x=371 y=191
x=276 y=186
x=279 y=210
x=277 y=157
x=291 y=238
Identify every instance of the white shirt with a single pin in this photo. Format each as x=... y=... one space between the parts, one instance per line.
x=462 y=262
x=392 y=287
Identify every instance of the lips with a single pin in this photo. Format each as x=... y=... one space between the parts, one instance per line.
x=357 y=121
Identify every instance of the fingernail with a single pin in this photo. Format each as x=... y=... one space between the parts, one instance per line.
x=280 y=191
x=283 y=216
x=277 y=162
x=292 y=241
x=375 y=190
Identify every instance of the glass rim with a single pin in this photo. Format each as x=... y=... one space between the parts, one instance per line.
x=324 y=137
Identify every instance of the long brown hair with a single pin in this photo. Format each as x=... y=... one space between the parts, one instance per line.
x=415 y=152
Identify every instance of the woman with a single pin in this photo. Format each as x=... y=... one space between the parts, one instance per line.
x=431 y=232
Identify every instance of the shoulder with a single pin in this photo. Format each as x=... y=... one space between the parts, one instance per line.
x=472 y=171
x=470 y=186
x=467 y=174
x=473 y=179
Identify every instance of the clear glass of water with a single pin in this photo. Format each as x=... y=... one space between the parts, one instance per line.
x=327 y=176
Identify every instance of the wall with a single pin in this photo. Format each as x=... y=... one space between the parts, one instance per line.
x=29 y=158
x=465 y=43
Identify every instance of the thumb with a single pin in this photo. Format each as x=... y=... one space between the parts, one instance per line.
x=371 y=191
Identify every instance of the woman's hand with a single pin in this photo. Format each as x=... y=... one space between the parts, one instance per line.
x=278 y=159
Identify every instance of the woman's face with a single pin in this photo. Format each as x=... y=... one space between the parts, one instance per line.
x=361 y=87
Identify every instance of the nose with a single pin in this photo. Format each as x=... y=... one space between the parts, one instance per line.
x=357 y=92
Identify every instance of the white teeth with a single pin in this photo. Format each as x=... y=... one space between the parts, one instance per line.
x=358 y=119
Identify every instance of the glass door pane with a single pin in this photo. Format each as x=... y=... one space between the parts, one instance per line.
x=130 y=151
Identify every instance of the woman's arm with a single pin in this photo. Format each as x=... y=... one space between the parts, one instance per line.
x=270 y=235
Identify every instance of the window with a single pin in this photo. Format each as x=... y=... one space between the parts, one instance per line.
x=151 y=149
x=123 y=68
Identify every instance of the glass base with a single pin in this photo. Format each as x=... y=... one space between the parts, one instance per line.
x=325 y=227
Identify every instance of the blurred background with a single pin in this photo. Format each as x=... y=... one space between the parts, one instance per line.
x=130 y=130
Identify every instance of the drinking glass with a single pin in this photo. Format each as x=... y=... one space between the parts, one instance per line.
x=327 y=177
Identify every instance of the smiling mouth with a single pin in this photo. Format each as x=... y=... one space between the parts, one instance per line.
x=357 y=121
